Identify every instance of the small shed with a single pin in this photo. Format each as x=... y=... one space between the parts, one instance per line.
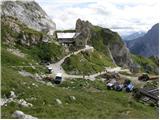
x=149 y=95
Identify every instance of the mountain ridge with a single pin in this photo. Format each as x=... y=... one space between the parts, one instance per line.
x=133 y=36
x=147 y=45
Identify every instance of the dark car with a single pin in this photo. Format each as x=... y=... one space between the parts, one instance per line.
x=119 y=87
x=143 y=77
x=126 y=82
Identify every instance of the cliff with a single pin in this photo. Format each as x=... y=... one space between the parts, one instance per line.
x=26 y=23
x=104 y=40
x=29 y=13
x=147 y=45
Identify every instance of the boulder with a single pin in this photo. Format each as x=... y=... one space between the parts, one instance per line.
x=20 y=115
x=72 y=97
x=12 y=94
x=59 y=101
x=23 y=103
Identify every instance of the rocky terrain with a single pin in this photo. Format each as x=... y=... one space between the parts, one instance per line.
x=147 y=45
x=104 y=40
x=30 y=14
x=29 y=46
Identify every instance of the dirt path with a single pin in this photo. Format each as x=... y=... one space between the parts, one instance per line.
x=134 y=79
x=93 y=76
x=57 y=68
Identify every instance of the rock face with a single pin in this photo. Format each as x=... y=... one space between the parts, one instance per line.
x=148 y=45
x=103 y=39
x=26 y=23
x=83 y=28
x=30 y=14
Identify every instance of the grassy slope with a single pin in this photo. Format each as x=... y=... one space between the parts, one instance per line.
x=104 y=37
x=87 y=63
x=10 y=60
x=94 y=62
x=44 y=51
x=92 y=99
x=41 y=51
x=97 y=39
x=147 y=64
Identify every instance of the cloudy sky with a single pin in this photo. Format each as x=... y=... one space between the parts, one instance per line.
x=123 y=16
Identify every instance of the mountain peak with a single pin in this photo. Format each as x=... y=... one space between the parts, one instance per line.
x=148 y=45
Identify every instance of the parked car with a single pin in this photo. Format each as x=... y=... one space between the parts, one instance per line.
x=119 y=87
x=129 y=88
x=50 y=70
x=126 y=82
x=110 y=86
x=143 y=77
x=58 y=78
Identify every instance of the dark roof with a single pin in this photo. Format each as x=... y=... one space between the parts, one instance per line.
x=150 y=92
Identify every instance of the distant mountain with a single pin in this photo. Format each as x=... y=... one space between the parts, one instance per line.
x=132 y=36
x=147 y=45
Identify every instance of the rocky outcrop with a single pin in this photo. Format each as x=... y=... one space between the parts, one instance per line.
x=20 y=115
x=83 y=28
x=147 y=45
x=25 y=22
x=121 y=55
x=30 y=14
x=14 y=31
x=103 y=39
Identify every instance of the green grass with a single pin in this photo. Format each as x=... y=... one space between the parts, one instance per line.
x=87 y=63
x=93 y=100
x=97 y=39
x=10 y=60
x=40 y=51
x=44 y=51
x=102 y=37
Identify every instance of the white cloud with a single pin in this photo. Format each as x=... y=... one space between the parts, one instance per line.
x=124 y=16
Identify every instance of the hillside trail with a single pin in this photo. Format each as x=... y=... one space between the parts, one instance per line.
x=57 y=68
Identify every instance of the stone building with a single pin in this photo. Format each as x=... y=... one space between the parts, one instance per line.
x=70 y=38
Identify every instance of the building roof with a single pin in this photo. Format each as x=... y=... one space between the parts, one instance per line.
x=150 y=92
x=59 y=74
x=65 y=35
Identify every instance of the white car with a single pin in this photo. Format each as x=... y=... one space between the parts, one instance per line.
x=58 y=78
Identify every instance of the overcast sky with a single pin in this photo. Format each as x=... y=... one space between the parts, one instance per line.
x=123 y=16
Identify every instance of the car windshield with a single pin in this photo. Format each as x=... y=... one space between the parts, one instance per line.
x=58 y=78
